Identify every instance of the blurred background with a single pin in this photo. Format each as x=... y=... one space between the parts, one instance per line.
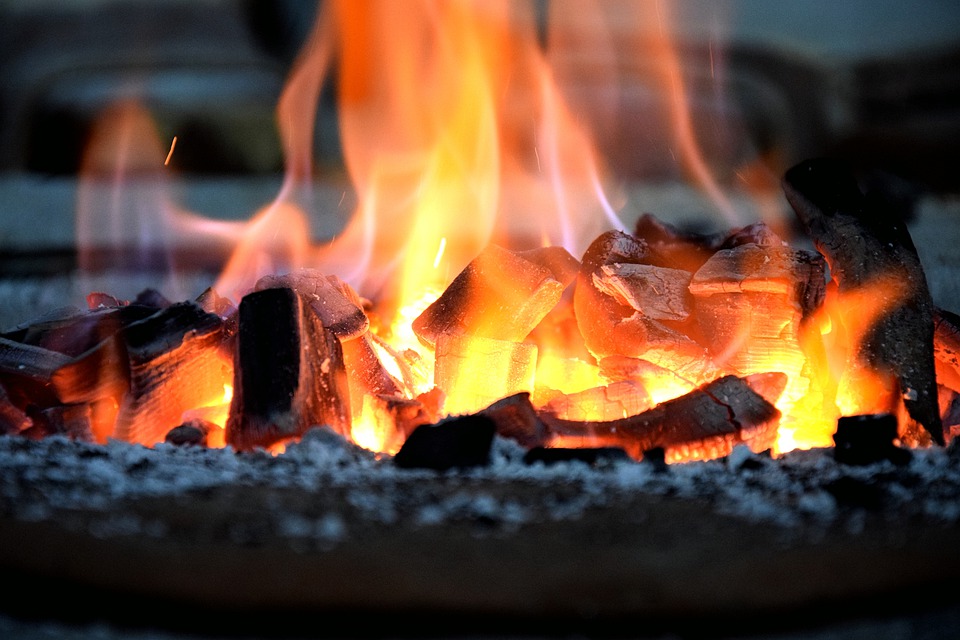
x=767 y=83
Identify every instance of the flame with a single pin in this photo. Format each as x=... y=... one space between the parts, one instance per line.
x=460 y=128
x=841 y=383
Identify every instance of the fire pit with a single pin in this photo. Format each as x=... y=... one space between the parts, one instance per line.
x=452 y=411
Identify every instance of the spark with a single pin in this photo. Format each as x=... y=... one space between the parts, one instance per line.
x=173 y=145
x=440 y=249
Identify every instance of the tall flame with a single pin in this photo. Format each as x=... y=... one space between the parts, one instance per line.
x=458 y=130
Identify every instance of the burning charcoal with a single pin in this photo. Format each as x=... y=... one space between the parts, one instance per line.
x=366 y=374
x=152 y=298
x=610 y=402
x=613 y=247
x=658 y=292
x=610 y=328
x=864 y=241
x=654 y=378
x=450 y=444
x=670 y=247
x=475 y=371
x=404 y=414
x=867 y=439
x=337 y=306
x=102 y=371
x=758 y=233
x=557 y=260
x=516 y=418
x=951 y=414
x=73 y=332
x=192 y=432
x=71 y=420
x=703 y=424
x=593 y=456
x=101 y=300
x=12 y=419
x=288 y=373
x=751 y=301
x=769 y=385
x=175 y=365
x=212 y=302
x=25 y=371
x=147 y=298
x=946 y=348
x=500 y=295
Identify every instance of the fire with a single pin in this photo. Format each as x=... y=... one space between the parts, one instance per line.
x=841 y=383
x=466 y=156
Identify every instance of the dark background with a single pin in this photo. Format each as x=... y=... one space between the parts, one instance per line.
x=872 y=80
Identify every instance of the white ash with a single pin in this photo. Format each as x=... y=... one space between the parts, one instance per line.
x=39 y=478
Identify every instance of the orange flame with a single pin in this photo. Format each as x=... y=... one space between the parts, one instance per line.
x=841 y=383
x=456 y=134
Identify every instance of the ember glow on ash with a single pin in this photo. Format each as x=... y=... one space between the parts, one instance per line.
x=483 y=265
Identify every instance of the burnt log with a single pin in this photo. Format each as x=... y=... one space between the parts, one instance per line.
x=500 y=294
x=703 y=424
x=175 y=365
x=288 y=372
x=864 y=241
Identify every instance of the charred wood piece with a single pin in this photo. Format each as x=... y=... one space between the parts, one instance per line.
x=288 y=372
x=403 y=414
x=668 y=246
x=70 y=420
x=610 y=402
x=500 y=295
x=516 y=418
x=867 y=439
x=13 y=419
x=610 y=328
x=758 y=233
x=703 y=424
x=191 y=432
x=175 y=365
x=658 y=292
x=750 y=304
x=946 y=348
x=864 y=239
x=366 y=374
x=335 y=303
x=455 y=443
